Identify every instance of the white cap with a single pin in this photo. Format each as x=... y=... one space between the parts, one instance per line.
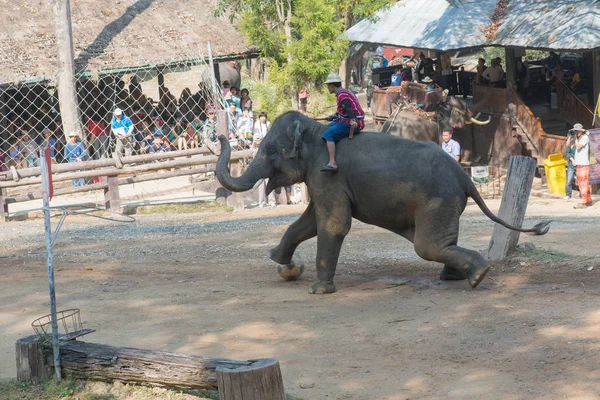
x=118 y=111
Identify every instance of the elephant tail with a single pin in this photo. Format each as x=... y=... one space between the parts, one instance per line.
x=539 y=229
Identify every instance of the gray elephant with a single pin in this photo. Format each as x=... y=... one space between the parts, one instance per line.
x=410 y=188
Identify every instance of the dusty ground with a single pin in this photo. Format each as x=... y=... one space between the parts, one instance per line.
x=202 y=284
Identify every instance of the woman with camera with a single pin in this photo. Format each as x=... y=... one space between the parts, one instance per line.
x=582 y=163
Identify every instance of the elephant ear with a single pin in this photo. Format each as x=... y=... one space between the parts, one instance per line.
x=297 y=141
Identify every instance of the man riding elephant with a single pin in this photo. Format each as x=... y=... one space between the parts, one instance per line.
x=410 y=188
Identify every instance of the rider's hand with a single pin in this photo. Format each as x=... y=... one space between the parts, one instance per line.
x=353 y=123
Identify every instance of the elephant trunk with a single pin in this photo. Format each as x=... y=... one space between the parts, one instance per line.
x=241 y=184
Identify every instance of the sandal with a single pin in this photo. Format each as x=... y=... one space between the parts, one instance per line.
x=329 y=168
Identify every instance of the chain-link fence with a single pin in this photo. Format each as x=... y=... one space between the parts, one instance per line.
x=160 y=108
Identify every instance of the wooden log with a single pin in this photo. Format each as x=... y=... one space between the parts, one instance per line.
x=260 y=381
x=513 y=206
x=31 y=362
x=112 y=200
x=3 y=205
x=82 y=360
x=181 y=162
x=105 y=162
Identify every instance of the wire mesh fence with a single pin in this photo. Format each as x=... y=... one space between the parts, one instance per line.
x=160 y=108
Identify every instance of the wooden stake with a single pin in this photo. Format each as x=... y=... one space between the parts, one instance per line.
x=513 y=206
x=3 y=205
x=112 y=200
x=31 y=364
x=259 y=381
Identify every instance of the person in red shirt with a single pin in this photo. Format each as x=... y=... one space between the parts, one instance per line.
x=349 y=115
x=98 y=138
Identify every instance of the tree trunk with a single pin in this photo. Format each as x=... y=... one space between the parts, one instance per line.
x=287 y=28
x=513 y=206
x=67 y=96
x=260 y=381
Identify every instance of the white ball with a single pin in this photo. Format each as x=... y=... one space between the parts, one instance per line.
x=293 y=270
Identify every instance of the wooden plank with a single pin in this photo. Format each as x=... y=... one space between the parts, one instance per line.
x=513 y=206
x=4 y=205
x=261 y=380
x=112 y=200
x=31 y=365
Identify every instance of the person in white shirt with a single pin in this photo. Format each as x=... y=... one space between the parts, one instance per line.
x=261 y=127
x=582 y=163
x=494 y=73
x=245 y=126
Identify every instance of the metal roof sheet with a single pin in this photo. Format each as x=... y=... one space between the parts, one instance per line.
x=427 y=24
x=440 y=25
x=551 y=24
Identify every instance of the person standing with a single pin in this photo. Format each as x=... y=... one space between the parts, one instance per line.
x=75 y=152
x=396 y=77
x=98 y=137
x=495 y=73
x=571 y=170
x=303 y=95
x=450 y=146
x=582 y=163
x=122 y=127
x=349 y=115
x=481 y=67
x=30 y=151
x=261 y=128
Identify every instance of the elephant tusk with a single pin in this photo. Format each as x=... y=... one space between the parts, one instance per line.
x=477 y=116
x=258 y=183
x=477 y=122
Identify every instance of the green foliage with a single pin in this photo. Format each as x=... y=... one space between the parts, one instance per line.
x=361 y=9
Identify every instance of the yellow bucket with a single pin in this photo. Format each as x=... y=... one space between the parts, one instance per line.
x=556 y=174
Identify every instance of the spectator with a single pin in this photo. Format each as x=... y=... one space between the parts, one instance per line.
x=226 y=90
x=98 y=138
x=582 y=164
x=245 y=126
x=187 y=106
x=262 y=196
x=75 y=152
x=158 y=146
x=209 y=130
x=246 y=102
x=30 y=151
x=481 y=67
x=288 y=194
x=396 y=77
x=51 y=140
x=122 y=128
x=449 y=145
x=575 y=80
x=16 y=155
x=147 y=142
x=303 y=95
x=494 y=73
x=464 y=87
x=159 y=128
x=406 y=75
x=193 y=136
x=571 y=170
x=236 y=99
x=233 y=121
x=261 y=128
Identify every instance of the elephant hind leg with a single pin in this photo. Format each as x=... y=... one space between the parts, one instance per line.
x=436 y=237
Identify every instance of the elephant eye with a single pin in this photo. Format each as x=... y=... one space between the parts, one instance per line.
x=271 y=151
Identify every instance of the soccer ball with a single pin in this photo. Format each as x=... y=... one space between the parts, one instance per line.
x=293 y=270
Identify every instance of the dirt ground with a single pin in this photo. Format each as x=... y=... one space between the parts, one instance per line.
x=202 y=284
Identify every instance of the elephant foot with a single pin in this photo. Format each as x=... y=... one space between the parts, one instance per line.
x=322 y=288
x=277 y=255
x=451 y=274
x=476 y=274
x=293 y=270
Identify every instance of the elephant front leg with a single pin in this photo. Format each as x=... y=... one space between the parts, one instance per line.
x=303 y=229
x=332 y=229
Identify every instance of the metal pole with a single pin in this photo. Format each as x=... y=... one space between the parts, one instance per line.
x=48 y=230
x=215 y=86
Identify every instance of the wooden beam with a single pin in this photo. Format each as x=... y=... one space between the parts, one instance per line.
x=513 y=206
x=112 y=200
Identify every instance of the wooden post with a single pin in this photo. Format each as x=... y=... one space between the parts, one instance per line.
x=259 y=381
x=31 y=362
x=509 y=53
x=513 y=206
x=67 y=96
x=3 y=205
x=112 y=200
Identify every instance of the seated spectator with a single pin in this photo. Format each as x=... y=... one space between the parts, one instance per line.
x=30 y=151
x=233 y=121
x=16 y=156
x=236 y=99
x=245 y=127
x=261 y=127
x=226 y=90
x=246 y=102
x=158 y=129
x=209 y=130
x=75 y=152
x=158 y=146
x=51 y=140
x=147 y=142
x=3 y=166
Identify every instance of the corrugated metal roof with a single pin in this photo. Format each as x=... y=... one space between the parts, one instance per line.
x=439 y=25
x=551 y=24
x=427 y=24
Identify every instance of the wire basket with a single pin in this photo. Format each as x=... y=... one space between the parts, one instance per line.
x=69 y=325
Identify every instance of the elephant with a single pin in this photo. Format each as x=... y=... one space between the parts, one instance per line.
x=452 y=113
x=410 y=188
